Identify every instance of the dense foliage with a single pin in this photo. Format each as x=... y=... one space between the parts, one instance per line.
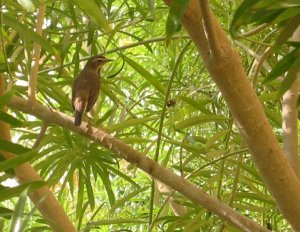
x=159 y=99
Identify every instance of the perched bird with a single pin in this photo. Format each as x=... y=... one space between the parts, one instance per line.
x=86 y=87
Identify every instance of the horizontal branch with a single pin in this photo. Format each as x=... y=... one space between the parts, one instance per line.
x=140 y=160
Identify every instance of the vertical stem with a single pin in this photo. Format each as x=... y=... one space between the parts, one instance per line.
x=36 y=54
x=162 y=124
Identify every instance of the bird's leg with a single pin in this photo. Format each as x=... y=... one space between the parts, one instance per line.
x=89 y=124
x=88 y=120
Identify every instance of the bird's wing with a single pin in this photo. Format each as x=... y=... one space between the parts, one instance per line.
x=80 y=93
x=94 y=91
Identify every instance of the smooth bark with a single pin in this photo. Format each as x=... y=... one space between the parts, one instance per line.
x=228 y=73
x=140 y=160
x=290 y=119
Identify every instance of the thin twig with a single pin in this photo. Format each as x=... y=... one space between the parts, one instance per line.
x=40 y=136
x=36 y=54
x=209 y=29
x=255 y=30
x=139 y=43
x=260 y=63
x=161 y=124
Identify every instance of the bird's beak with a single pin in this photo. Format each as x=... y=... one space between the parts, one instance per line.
x=107 y=60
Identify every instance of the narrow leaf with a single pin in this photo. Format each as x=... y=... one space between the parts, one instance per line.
x=282 y=66
x=193 y=121
x=6 y=213
x=290 y=77
x=8 y=193
x=212 y=140
x=275 y=117
x=91 y=9
x=104 y=175
x=147 y=75
x=80 y=195
x=199 y=104
x=131 y=122
x=12 y=147
x=4 y=99
x=11 y=163
x=173 y=24
x=123 y=200
x=28 y=33
x=241 y=15
x=16 y=219
x=287 y=14
x=12 y=65
x=10 y=119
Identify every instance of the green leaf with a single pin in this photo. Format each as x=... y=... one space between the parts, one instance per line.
x=16 y=219
x=282 y=66
x=80 y=194
x=4 y=99
x=294 y=44
x=11 y=163
x=12 y=66
x=138 y=140
x=91 y=9
x=264 y=16
x=147 y=75
x=105 y=116
x=268 y=97
x=242 y=15
x=290 y=77
x=199 y=104
x=28 y=33
x=173 y=24
x=89 y=186
x=284 y=4
x=10 y=119
x=131 y=122
x=104 y=175
x=120 y=174
x=275 y=117
x=265 y=3
x=8 y=193
x=6 y=213
x=27 y=5
x=211 y=141
x=123 y=200
x=193 y=121
x=287 y=14
x=13 y=147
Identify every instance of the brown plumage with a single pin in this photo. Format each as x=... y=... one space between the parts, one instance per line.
x=86 y=87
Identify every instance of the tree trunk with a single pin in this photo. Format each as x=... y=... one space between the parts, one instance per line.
x=227 y=71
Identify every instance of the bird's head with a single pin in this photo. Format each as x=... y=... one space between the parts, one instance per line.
x=96 y=62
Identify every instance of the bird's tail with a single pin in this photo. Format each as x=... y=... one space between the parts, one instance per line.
x=78 y=118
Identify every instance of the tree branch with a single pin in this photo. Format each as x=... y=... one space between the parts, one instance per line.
x=140 y=160
x=36 y=54
x=208 y=26
x=230 y=77
x=40 y=135
x=290 y=119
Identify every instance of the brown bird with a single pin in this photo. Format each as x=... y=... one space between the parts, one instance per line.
x=86 y=87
